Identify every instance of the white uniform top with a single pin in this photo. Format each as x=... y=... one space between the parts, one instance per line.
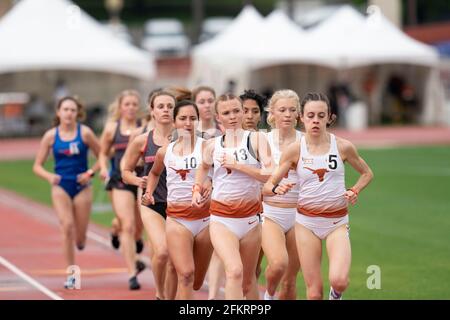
x=180 y=179
x=235 y=194
x=292 y=195
x=322 y=182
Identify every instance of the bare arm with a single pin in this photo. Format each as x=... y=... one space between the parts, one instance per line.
x=349 y=153
x=263 y=152
x=201 y=174
x=130 y=159
x=153 y=176
x=91 y=140
x=289 y=160
x=42 y=155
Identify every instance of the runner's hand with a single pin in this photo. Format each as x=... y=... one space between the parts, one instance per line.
x=197 y=200
x=54 y=179
x=147 y=199
x=351 y=196
x=207 y=189
x=84 y=178
x=284 y=188
x=104 y=175
x=143 y=182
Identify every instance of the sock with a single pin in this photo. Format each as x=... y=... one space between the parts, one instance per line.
x=335 y=294
x=267 y=296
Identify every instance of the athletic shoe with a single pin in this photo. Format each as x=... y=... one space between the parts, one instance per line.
x=134 y=284
x=267 y=296
x=115 y=241
x=334 y=295
x=140 y=266
x=139 y=246
x=70 y=283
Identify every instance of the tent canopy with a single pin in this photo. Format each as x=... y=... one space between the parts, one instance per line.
x=56 y=34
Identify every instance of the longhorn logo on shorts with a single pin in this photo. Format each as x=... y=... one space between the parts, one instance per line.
x=181 y=172
x=320 y=172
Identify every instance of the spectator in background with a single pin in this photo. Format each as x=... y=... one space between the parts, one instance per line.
x=36 y=113
x=341 y=98
x=61 y=90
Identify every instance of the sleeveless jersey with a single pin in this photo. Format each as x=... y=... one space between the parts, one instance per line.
x=322 y=183
x=292 y=195
x=119 y=144
x=235 y=194
x=148 y=154
x=180 y=179
x=71 y=157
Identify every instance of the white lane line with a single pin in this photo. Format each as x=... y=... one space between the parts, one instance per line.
x=28 y=279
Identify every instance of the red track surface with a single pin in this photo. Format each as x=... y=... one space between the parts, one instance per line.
x=31 y=241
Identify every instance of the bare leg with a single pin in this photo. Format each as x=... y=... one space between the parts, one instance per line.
x=64 y=210
x=82 y=205
x=340 y=257
x=309 y=248
x=124 y=203
x=288 y=288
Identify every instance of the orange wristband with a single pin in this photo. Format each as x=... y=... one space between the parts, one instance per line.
x=354 y=190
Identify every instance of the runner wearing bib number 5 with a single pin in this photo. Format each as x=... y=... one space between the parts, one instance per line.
x=322 y=212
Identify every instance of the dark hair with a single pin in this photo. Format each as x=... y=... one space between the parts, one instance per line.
x=226 y=97
x=317 y=96
x=252 y=95
x=180 y=93
x=199 y=89
x=81 y=114
x=154 y=94
x=184 y=103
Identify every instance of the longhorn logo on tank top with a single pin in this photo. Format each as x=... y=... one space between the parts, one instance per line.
x=320 y=172
x=181 y=172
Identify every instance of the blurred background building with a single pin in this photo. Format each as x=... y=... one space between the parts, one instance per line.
x=381 y=61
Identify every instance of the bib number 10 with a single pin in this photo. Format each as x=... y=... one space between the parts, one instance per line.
x=191 y=163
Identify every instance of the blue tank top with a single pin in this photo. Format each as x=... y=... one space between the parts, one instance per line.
x=71 y=157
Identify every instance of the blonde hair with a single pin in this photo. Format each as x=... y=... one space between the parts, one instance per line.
x=114 y=107
x=226 y=97
x=199 y=89
x=281 y=94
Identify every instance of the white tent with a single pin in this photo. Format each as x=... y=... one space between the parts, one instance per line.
x=279 y=41
x=57 y=35
x=214 y=63
x=349 y=40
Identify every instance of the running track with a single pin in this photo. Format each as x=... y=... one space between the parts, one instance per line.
x=32 y=265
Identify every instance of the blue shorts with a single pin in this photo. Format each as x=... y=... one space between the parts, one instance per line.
x=72 y=187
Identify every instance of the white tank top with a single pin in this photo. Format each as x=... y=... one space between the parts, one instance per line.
x=180 y=179
x=235 y=194
x=322 y=182
x=292 y=195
